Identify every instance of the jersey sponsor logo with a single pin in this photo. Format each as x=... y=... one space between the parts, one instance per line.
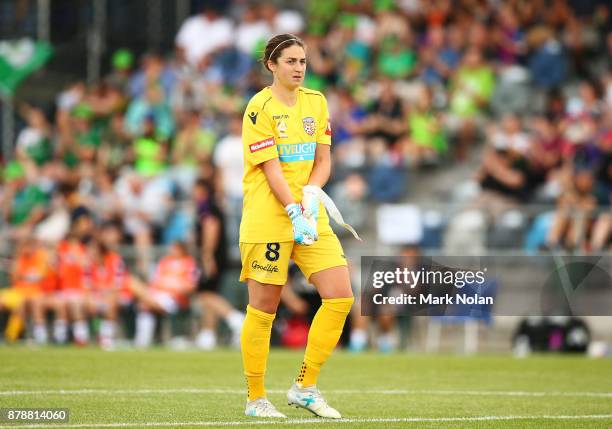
x=309 y=125
x=271 y=268
x=328 y=128
x=261 y=144
x=296 y=152
x=253 y=117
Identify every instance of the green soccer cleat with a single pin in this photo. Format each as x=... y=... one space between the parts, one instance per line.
x=261 y=407
x=311 y=399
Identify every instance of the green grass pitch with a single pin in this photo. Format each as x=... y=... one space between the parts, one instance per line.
x=160 y=388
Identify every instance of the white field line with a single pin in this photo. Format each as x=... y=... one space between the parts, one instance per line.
x=309 y=421
x=203 y=391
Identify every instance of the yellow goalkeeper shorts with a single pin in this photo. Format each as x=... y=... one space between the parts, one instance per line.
x=269 y=262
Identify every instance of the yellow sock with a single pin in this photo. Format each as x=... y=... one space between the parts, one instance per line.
x=255 y=345
x=14 y=327
x=323 y=336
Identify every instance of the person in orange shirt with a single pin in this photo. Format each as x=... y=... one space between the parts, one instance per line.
x=33 y=281
x=72 y=261
x=173 y=281
x=111 y=235
x=105 y=279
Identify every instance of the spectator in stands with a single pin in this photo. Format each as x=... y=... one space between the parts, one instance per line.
x=190 y=94
x=111 y=236
x=385 y=117
x=509 y=38
x=168 y=291
x=471 y=87
x=575 y=214
x=32 y=283
x=202 y=36
x=212 y=245
x=426 y=139
x=34 y=142
x=281 y=21
x=505 y=174
x=437 y=57
x=547 y=62
x=106 y=278
x=153 y=108
x=144 y=204
x=100 y=197
x=546 y=156
x=194 y=144
x=150 y=151
x=122 y=62
x=56 y=224
x=66 y=101
x=252 y=31
x=114 y=150
x=602 y=229
x=322 y=64
x=72 y=264
x=105 y=100
x=586 y=102
x=229 y=163
x=348 y=117
x=153 y=72
x=387 y=174
x=396 y=58
x=25 y=203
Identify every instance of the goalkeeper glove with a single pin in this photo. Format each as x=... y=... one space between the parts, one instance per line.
x=303 y=233
x=311 y=203
x=313 y=196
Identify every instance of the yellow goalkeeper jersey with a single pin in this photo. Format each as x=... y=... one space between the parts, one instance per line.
x=271 y=129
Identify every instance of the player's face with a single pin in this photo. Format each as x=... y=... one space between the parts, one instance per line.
x=290 y=67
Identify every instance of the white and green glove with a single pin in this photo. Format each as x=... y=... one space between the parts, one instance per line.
x=303 y=232
x=311 y=201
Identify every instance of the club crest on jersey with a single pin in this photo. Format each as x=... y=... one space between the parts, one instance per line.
x=309 y=125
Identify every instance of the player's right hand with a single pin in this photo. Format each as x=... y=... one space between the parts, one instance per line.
x=303 y=232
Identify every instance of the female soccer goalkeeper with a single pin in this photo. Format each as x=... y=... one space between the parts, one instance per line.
x=286 y=139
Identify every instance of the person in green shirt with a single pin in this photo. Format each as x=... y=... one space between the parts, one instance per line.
x=25 y=203
x=395 y=60
x=194 y=142
x=471 y=88
x=34 y=142
x=192 y=147
x=113 y=152
x=426 y=136
x=149 y=151
x=86 y=136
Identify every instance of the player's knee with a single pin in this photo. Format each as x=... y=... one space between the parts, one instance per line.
x=341 y=305
x=261 y=304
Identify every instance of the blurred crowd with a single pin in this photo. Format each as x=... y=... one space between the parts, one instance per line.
x=147 y=156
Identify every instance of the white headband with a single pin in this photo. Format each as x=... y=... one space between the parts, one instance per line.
x=288 y=40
